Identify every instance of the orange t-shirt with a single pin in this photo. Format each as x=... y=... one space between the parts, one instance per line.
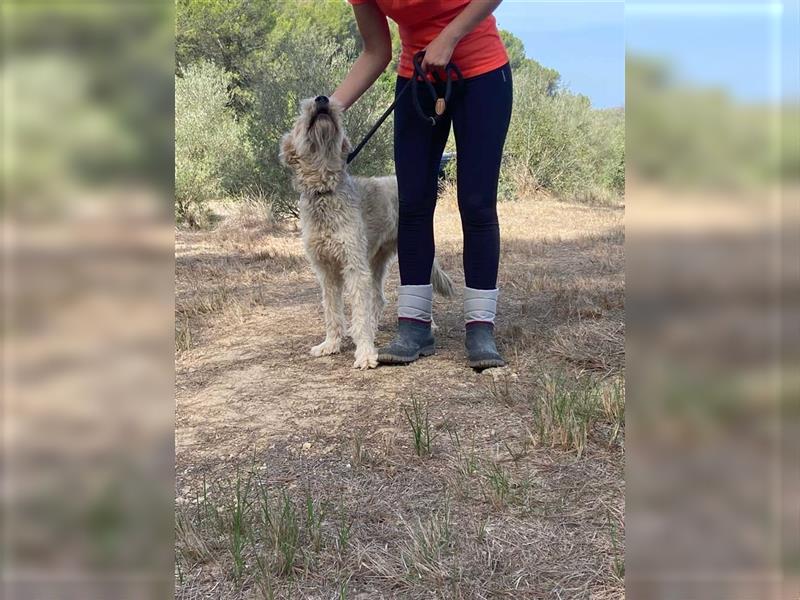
x=420 y=21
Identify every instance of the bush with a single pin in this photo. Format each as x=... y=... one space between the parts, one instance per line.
x=213 y=157
x=685 y=134
x=297 y=67
x=558 y=143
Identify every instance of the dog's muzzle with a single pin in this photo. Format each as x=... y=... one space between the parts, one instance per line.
x=322 y=104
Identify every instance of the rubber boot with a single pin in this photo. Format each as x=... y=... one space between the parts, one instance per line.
x=480 y=309
x=413 y=340
x=481 y=349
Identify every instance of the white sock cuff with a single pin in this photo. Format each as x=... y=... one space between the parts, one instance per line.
x=480 y=305
x=415 y=302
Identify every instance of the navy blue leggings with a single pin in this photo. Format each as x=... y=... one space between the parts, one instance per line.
x=480 y=110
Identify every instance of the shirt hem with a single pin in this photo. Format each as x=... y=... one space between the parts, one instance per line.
x=467 y=73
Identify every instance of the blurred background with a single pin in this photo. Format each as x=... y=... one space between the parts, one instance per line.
x=87 y=294
x=712 y=280
x=90 y=199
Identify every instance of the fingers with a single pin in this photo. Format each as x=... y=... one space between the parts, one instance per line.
x=430 y=61
x=430 y=64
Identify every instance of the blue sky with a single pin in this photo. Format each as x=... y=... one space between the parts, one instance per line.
x=749 y=48
x=582 y=40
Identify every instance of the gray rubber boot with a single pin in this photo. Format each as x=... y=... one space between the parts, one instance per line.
x=413 y=339
x=481 y=350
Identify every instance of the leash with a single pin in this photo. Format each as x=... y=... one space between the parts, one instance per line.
x=377 y=125
x=440 y=103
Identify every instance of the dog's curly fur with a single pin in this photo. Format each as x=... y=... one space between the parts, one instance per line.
x=349 y=227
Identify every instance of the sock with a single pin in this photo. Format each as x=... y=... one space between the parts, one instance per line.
x=415 y=302
x=480 y=305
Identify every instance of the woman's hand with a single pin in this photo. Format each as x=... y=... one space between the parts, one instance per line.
x=374 y=57
x=439 y=51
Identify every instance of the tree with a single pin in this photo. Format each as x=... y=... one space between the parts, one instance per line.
x=519 y=61
x=228 y=33
x=515 y=49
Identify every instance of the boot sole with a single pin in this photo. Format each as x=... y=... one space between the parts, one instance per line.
x=487 y=364
x=396 y=359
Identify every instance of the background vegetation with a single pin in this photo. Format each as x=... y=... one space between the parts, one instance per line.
x=683 y=134
x=243 y=66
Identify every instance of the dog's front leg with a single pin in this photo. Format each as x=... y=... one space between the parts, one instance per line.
x=333 y=307
x=358 y=279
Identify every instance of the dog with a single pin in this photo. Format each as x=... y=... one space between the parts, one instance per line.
x=349 y=228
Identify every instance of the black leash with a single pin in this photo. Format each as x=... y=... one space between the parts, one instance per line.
x=440 y=103
x=377 y=125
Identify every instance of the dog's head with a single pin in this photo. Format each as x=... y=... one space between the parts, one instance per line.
x=316 y=148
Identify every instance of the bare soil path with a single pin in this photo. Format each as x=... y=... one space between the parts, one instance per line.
x=511 y=502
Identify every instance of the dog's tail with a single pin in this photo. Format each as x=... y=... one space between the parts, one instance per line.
x=442 y=284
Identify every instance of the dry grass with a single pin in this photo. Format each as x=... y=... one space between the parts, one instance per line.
x=300 y=478
x=593 y=345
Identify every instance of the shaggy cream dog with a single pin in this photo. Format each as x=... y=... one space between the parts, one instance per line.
x=349 y=227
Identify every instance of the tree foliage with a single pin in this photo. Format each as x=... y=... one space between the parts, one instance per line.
x=243 y=65
x=229 y=33
x=213 y=156
x=682 y=133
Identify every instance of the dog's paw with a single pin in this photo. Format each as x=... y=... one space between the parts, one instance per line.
x=366 y=359
x=327 y=347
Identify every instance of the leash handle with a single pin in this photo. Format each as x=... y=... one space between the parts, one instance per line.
x=440 y=104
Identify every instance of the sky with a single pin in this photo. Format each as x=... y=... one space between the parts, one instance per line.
x=748 y=48
x=583 y=40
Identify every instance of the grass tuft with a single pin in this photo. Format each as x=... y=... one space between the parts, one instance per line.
x=420 y=424
x=466 y=459
x=429 y=542
x=286 y=536
x=359 y=455
x=314 y=516
x=183 y=335
x=564 y=409
x=612 y=400
x=263 y=539
x=498 y=488
x=238 y=526
x=343 y=530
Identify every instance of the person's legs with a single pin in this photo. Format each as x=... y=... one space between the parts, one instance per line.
x=481 y=117
x=418 y=148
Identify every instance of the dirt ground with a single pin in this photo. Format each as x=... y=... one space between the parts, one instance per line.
x=299 y=477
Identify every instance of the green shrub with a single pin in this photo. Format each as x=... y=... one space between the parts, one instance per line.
x=297 y=67
x=557 y=142
x=689 y=135
x=213 y=157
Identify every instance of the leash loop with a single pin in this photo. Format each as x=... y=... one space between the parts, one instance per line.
x=419 y=76
x=440 y=103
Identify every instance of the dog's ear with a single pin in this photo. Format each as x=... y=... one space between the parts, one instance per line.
x=287 y=153
x=346 y=147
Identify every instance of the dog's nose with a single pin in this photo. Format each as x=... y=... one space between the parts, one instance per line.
x=321 y=100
